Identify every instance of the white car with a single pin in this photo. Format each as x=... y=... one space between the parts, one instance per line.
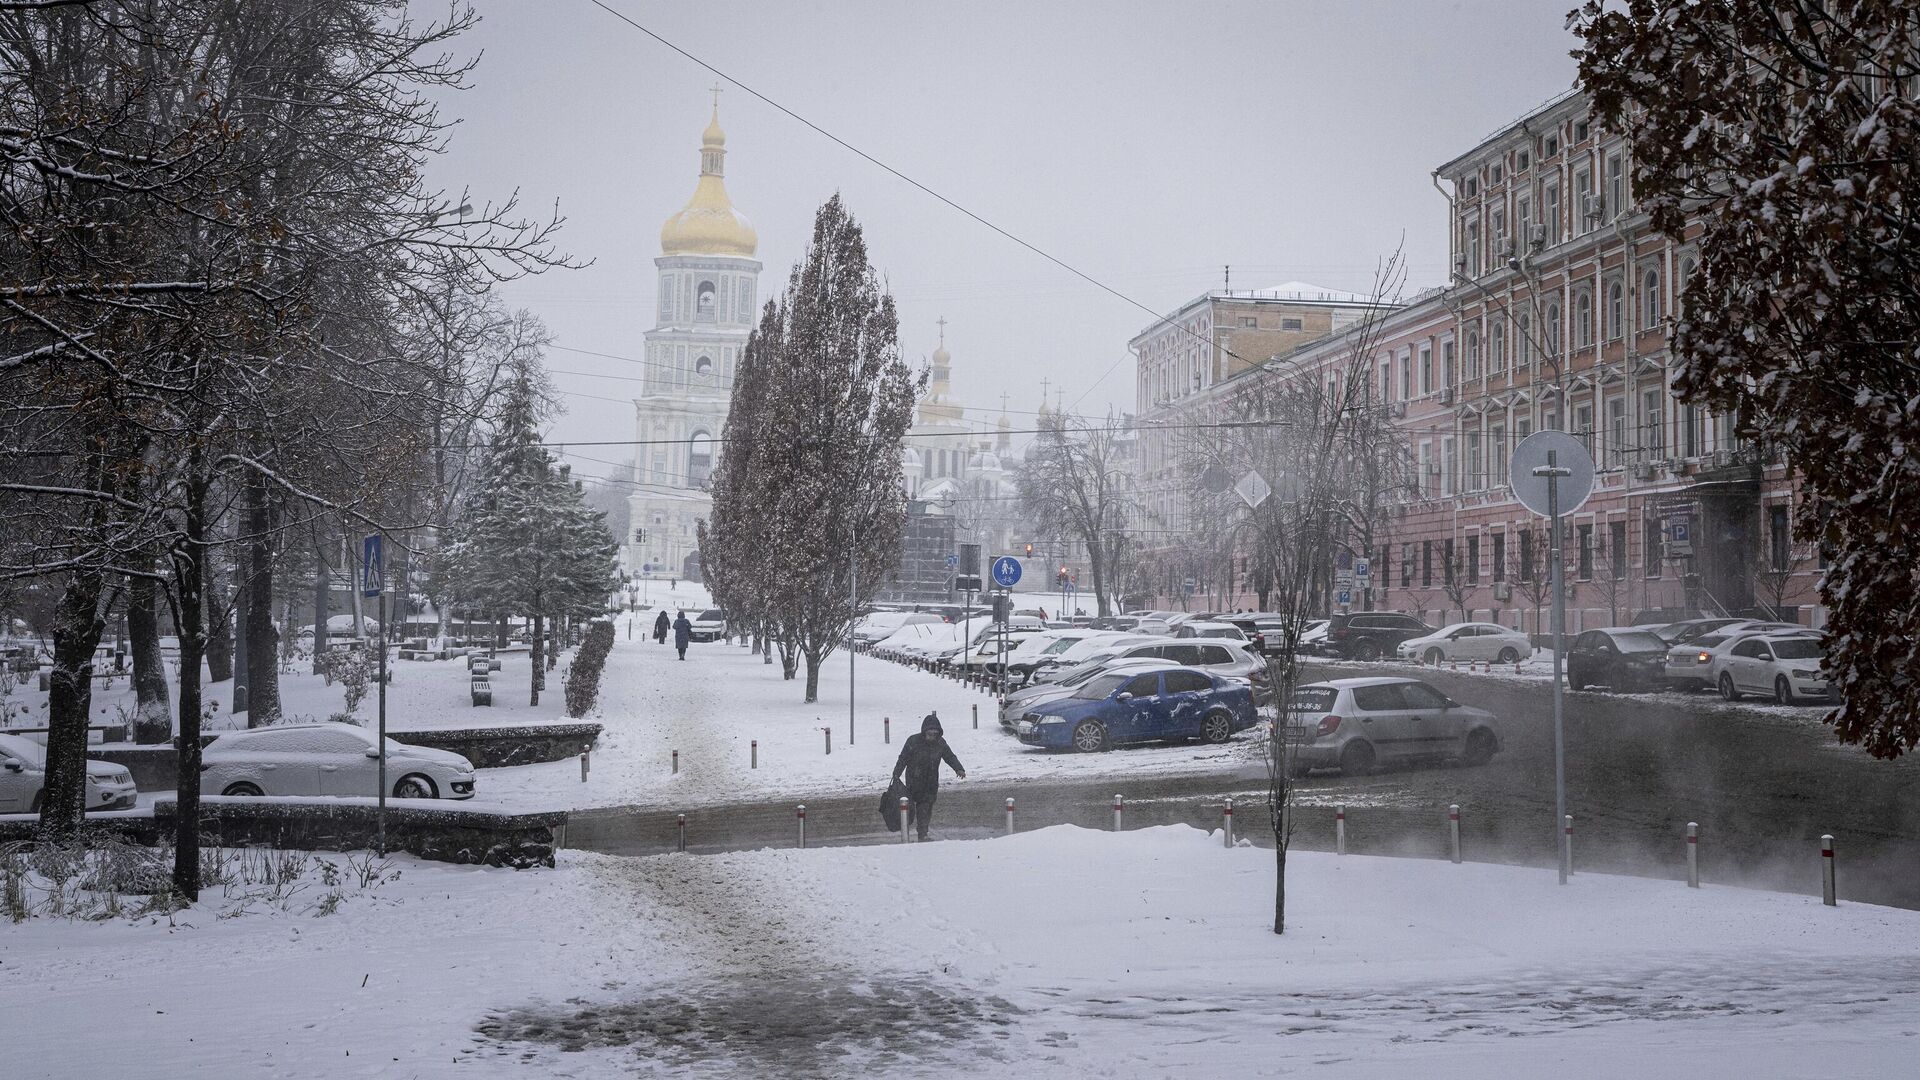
x=1314 y=634
x=23 y=772
x=328 y=759
x=1195 y=628
x=1040 y=647
x=883 y=624
x=1468 y=641
x=709 y=625
x=1786 y=666
x=1101 y=643
x=985 y=652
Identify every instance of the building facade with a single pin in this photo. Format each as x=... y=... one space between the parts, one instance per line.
x=705 y=308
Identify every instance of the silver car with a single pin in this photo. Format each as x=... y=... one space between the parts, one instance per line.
x=328 y=759
x=1356 y=725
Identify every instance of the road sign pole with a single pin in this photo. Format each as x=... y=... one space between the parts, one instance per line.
x=1553 y=474
x=853 y=602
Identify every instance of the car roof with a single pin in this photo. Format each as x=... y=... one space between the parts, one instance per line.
x=1209 y=625
x=1349 y=684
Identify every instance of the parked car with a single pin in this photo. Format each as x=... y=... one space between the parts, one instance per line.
x=1017 y=702
x=1620 y=657
x=328 y=759
x=882 y=624
x=709 y=625
x=1679 y=633
x=987 y=653
x=1689 y=665
x=1369 y=635
x=1468 y=641
x=23 y=772
x=1127 y=707
x=1050 y=668
x=1313 y=637
x=1038 y=647
x=1788 y=666
x=1356 y=725
x=1198 y=629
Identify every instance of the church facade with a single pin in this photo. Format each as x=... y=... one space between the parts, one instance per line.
x=705 y=308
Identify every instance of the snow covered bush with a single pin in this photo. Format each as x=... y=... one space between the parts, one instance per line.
x=352 y=668
x=583 y=678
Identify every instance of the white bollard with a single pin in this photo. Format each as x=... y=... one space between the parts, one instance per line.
x=1340 y=830
x=1827 y=894
x=1226 y=822
x=1009 y=816
x=676 y=762
x=906 y=819
x=585 y=754
x=753 y=754
x=1453 y=829
x=682 y=844
x=1693 y=854
x=886 y=729
x=802 y=814
x=1566 y=850
x=1119 y=808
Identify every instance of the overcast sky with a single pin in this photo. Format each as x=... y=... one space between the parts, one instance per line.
x=1147 y=144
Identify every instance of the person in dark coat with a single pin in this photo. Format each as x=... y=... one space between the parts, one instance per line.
x=660 y=627
x=682 y=633
x=920 y=760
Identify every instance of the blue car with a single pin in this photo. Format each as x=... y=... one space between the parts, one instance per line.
x=1136 y=706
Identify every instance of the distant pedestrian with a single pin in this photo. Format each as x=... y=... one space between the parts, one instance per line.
x=920 y=760
x=682 y=633
x=660 y=627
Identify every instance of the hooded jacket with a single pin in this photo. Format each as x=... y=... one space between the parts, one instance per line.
x=682 y=631
x=920 y=760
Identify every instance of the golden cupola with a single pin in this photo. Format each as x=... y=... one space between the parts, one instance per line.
x=709 y=225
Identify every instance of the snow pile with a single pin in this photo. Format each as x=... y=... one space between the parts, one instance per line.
x=1061 y=952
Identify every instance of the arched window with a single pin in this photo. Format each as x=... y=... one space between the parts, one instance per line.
x=699 y=459
x=703 y=302
x=1473 y=354
x=1616 y=310
x=1523 y=341
x=1497 y=347
x=1583 y=319
x=1550 y=333
x=1650 y=299
x=703 y=367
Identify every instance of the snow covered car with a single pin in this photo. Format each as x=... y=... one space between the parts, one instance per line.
x=1468 y=641
x=1356 y=724
x=1197 y=629
x=328 y=759
x=1150 y=706
x=1788 y=666
x=883 y=624
x=23 y=772
x=1039 y=647
x=709 y=625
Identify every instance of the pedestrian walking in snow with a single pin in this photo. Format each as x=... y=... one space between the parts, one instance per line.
x=682 y=633
x=660 y=627
x=920 y=760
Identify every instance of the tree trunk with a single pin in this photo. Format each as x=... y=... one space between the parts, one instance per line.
x=1280 y=888
x=813 y=676
x=1098 y=563
x=152 y=713
x=77 y=629
x=539 y=673
x=219 y=631
x=322 y=608
x=190 y=563
x=263 y=668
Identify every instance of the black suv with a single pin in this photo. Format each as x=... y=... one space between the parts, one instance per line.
x=1370 y=635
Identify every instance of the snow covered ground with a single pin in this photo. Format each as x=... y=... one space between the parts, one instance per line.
x=1061 y=952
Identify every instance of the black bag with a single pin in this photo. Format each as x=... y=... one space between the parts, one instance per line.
x=890 y=805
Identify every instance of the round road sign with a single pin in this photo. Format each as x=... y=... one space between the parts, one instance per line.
x=1567 y=453
x=1006 y=571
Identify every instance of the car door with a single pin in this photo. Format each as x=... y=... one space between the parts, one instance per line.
x=1383 y=719
x=1582 y=658
x=1185 y=696
x=21 y=782
x=1141 y=712
x=279 y=762
x=1747 y=664
x=340 y=757
x=1433 y=726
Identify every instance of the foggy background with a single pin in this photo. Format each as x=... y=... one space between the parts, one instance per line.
x=1147 y=144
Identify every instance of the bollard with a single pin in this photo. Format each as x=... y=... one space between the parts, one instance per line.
x=676 y=762
x=1453 y=830
x=886 y=729
x=1119 y=808
x=1340 y=829
x=1566 y=853
x=584 y=755
x=906 y=819
x=1827 y=895
x=753 y=754
x=802 y=814
x=1693 y=854
x=976 y=718
x=1009 y=816
x=828 y=733
x=682 y=844
x=1226 y=822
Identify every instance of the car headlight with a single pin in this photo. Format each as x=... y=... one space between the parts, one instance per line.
x=1802 y=673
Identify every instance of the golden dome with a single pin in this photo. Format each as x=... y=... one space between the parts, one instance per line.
x=709 y=225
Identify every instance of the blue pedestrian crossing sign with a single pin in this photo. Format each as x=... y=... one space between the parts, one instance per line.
x=953 y=561
x=372 y=566
x=1006 y=571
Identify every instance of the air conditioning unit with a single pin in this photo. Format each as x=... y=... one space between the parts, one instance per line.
x=1503 y=247
x=1593 y=206
x=1537 y=236
x=1502 y=590
x=1460 y=263
x=1446 y=395
x=1397 y=409
x=1643 y=471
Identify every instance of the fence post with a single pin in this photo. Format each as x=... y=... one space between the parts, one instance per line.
x=886 y=729
x=1340 y=829
x=1119 y=808
x=676 y=762
x=1827 y=894
x=753 y=752
x=976 y=717
x=1566 y=828
x=802 y=814
x=1009 y=815
x=1226 y=822
x=1453 y=829
x=682 y=845
x=1693 y=854
x=585 y=754
x=906 y=818
x=827 y=732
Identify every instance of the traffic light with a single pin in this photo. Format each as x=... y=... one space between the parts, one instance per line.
x=1029 y=551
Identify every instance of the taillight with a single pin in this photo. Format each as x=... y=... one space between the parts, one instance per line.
x=1338 y=633
x=1329 y=725
x=1705 y=658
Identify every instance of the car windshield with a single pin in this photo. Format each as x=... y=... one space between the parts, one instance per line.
x=1102 y=687
x=23 y=748
x=1797 y=649
x=711 y=615
x=1313 y=699
x=1639 y=641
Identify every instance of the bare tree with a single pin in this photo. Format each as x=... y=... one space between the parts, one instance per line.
x=1074 y=482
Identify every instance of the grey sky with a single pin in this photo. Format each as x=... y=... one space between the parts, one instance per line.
x=1147 y=144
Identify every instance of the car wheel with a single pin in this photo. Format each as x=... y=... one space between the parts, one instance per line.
x=1434 y=656
x=1480 y=747
x=1298 y=771
x=1574 y=682
x=414 y=786
x=1367 y=650
x=1509 y=656
x=1217 y=727
x=1726 y=688
x=34 y=806
x=1090 y=737
x=1357 y=758
x=244 y=789
x=1782 y=691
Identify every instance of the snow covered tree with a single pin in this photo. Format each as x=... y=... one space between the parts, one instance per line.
x=1783 y=139
x=1075 y=483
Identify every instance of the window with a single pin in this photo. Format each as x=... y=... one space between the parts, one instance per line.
x=1522 y=160
x=1473 y=247
x=1426 y=564
x=1386 y=381
x=1523 y=221
x=1690 y=444
x=1616 y=310
x=1585 y=533
x=1476 y=479
x=1473 y=560
x=1526 y=555
x=1495 y=174
x=1779 y=538
x=1378 y=698
x=1144 y=685
x=1580 y=130
x=1653 y=443
x=1449 y=563
x=1406 y=566
x=1687 y=267
x=1498 y=225
x=1249 y=322
x=1187 y=682
x=1551 y=333
x=1583 y=319
x=1650 y=299
x=1450 y=469
x=1499 y=556
x=703 y=305
x=1471 y=185
x=1523 y=340
x=1617 y=548
x=1497 y=454
x=1582 y=202
x=699 y=459
x=1422 y=696
x=1550 y=212
x=1290 y=324
x=1550 y=146
x=1583 y=425
x=1406 y=373
x=1650 y=544
x=1550 y=419
x=1497 y=347
x=703 y=367
x=1616 y=186
x=1617 y=445
x=1446 y=363
x=1473 y=355
x=1426 y=368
